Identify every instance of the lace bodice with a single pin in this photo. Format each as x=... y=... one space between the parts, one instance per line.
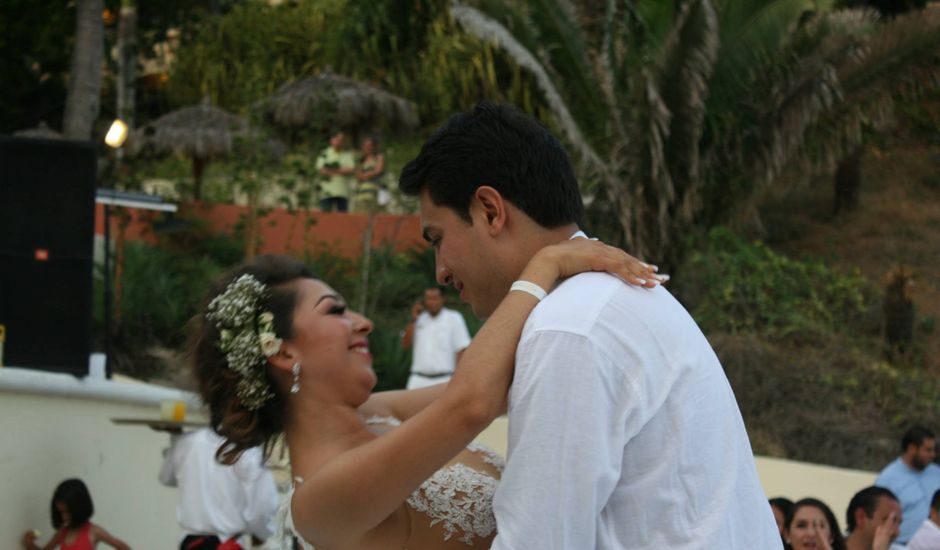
x=458 y=497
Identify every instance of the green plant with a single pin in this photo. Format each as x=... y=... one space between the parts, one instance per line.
x=683 y=111
x=390 y=361
x=927 y=324
x=162 y=290
x=411 y=48
x=163 y=287
x=732 y=285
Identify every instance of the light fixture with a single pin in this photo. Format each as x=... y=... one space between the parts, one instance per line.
x=117 y=134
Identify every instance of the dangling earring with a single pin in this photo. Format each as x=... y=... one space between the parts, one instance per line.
x=296 y=370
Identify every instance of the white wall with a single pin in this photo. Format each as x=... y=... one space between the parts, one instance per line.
x=796 y=480
x=55 y=427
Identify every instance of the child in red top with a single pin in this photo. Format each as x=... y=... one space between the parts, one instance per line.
x=71 y=517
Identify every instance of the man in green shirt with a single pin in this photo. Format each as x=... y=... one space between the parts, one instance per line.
x=336 y=166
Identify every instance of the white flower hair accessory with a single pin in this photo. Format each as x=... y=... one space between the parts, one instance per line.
x=246 y=337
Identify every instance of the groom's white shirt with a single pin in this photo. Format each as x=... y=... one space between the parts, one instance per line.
x=624 y=432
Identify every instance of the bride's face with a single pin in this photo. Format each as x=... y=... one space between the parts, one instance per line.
x=332 y=342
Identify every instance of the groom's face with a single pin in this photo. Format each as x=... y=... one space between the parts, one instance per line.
x=464 y=256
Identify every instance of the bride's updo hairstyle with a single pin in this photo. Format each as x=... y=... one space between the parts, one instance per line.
x=244 y=421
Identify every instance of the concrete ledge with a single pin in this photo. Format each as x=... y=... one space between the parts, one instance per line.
x=18 y=380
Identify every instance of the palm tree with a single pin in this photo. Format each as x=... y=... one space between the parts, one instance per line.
x=127 y=61
x=680 y=112
x=83 y=100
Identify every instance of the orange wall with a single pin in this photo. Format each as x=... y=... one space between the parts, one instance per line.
x=282 y=232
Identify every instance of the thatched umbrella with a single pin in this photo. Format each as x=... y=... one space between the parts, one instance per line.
x=42 y=131
x=201 y=132
x=338 y=101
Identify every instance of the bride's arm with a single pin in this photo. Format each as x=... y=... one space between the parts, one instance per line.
x=355 y=491
x=402 y=404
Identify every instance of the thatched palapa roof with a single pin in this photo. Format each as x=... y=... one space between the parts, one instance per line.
x=329 y=99
x=199 y=131
x=42 y=131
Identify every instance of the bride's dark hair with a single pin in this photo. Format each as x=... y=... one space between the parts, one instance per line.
x=241 y=427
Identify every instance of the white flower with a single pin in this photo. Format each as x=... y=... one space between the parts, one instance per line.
x=246 y=337
x=270 y=344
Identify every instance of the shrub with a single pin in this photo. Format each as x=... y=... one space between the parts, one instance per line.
x=732 y=285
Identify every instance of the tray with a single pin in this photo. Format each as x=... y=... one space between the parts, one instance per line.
x=158 y=424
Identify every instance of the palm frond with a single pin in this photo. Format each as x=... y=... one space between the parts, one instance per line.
x=909 y=43
x=803 y=89
x=565 y=51
x=752 y=33
x=488 y=29
x=901 y=62
x=684 y=72
x=662 y=167
x=849 y=83
x=611 y=81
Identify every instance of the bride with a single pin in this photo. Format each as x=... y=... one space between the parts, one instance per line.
x=277 y=350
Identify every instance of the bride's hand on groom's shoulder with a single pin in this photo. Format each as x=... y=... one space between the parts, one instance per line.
x=579 y=255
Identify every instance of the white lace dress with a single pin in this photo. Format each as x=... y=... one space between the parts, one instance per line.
x=458 y=497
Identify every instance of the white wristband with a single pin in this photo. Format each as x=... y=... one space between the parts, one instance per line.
x=529 y=288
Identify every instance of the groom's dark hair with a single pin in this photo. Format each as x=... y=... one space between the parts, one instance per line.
x=499 y=146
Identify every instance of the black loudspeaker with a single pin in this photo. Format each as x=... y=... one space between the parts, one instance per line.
x=47 y=216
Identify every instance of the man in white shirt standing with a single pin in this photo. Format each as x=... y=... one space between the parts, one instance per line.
x=218 y=504
x=623 y=430
x=927 y=536
x=913 y=477
x=438 y=336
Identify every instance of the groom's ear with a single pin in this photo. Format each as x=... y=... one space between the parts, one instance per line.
x=490 y=208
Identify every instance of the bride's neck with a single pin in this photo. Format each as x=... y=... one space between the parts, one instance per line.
x=316 y=432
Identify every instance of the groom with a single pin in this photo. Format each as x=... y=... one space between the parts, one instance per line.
x=623 y=430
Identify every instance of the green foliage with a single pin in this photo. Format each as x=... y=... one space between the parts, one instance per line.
x=683 y=112
x=162 y=290
x=927 y=324
x=35 y=50
x=390 y=361
x=238 y=58
x=733 y=285
x=163 y=287
x=412 y=48
x=455 y=70
x=398 y=280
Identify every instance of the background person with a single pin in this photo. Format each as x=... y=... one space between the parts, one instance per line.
x=438 y=335
x=370 y=175
x=71 y=511
x=913 y=477
x=927 y=537
x=336 y=166
x=873 y=519
x=781 y=508
x=218 y=504
x=811 y=525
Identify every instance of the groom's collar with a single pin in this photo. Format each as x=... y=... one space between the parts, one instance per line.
x=578 y=233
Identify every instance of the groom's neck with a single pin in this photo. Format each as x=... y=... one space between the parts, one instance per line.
x=534 y=238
